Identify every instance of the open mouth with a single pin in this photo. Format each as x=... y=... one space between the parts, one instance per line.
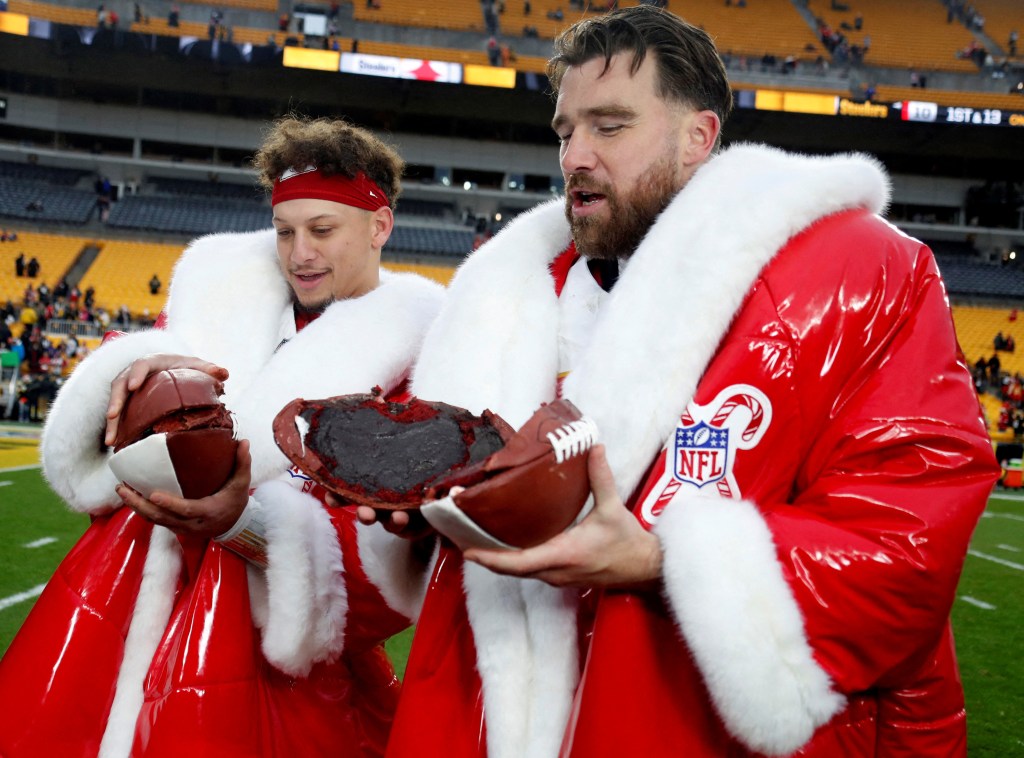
x=584 y=199
x=308 y=278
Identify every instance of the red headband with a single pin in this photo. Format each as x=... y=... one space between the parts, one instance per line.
x=310 y=182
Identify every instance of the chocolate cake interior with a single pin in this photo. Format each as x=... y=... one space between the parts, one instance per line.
x=393 y=451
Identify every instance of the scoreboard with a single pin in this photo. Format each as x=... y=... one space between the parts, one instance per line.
x=916 y=110
x=920 y=111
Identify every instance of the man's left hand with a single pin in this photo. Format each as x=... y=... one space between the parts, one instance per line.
x=608 y=548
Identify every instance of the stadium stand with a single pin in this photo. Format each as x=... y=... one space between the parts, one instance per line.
x=437 y=209
x=188 y=215
x=895 y=94
x=976 y=328
x=260 y=5
x=462 y=15
x=431 y=241
x=912 y=34
x=1001 y=18
x=976 y=279
x=760 y=27
x=441 y=274
x=49 y=175
x=51 y=12
x=197 y=188
x=121 y=273
x=37 y=202
x=55 y=253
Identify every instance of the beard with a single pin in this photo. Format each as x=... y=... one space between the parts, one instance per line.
x=310 y=309
x=629 y=217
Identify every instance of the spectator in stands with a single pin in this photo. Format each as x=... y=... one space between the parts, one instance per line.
x=527 y=8
x=994 y=367
x=19 y=265
x=173 y=16
x=290 y=630
x=89 y=299
x=769 y=603
x=61 y=289
x=508 y=56
x=999 y=341
x=32 y=269
x=154 y=285
x=1011 y=44
x=493 y=51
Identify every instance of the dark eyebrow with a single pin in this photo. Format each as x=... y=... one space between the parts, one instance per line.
x=309 y=220
x=599 y=111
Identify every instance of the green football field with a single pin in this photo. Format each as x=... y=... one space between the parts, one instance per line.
x=988 y=616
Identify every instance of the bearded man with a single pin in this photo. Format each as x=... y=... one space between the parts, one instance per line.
x=793 y=455
x=154 y=638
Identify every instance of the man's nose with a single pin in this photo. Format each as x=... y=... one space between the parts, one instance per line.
x=578 y=154
x=303 y=250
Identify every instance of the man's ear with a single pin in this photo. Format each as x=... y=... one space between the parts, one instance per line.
x=381 y=225
x=701 y=136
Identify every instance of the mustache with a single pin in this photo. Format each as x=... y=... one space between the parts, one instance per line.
x=582 y=183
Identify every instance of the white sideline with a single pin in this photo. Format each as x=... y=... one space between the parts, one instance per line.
x=992 y=558
x=978 y=603
x=20 y=468
x=7 y=602
x=40 y=542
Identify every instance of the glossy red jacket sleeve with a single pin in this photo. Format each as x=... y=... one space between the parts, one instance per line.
x=896 y=465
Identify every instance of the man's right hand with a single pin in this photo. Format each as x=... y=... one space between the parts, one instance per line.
x=132 y=377
x=409 y=525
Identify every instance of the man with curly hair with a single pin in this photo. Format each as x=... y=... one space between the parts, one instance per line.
x=249 y=622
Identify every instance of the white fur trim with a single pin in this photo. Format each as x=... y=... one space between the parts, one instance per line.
x=388 y=561
x=73 y=461
x=529 y=662
x=225 y=300
x=513 y=359
x=149 y=620
x=306 y=599
x=725 y=587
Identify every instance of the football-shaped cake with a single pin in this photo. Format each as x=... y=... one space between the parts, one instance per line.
x=371 y=451
x=524 y=494
x=473 y=478
x=174 y=435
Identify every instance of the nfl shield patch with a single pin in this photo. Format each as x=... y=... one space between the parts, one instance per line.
x=701 y=454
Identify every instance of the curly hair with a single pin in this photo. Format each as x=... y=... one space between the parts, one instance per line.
x=332 y=145
x=689 y=68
